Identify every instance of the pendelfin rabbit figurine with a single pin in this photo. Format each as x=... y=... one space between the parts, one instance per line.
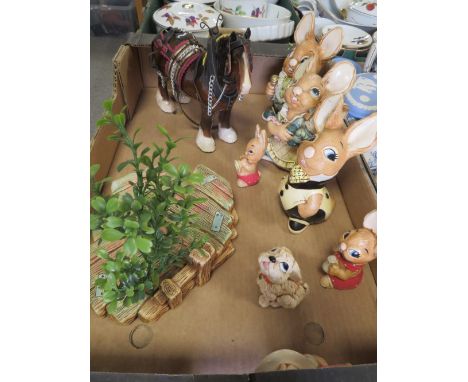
x=308 y=53
x=344 y=269
x=246 y=166
x=293 y=124
x=280 y=279
x=303 y=194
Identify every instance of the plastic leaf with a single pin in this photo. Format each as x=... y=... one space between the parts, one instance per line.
x=111 y=234
x=170 y=169
x=112 y=205
x=144 y=245
x=94 y=169
x=98 y=203
x=130 y=246
x=113 y=222
x=102 y=253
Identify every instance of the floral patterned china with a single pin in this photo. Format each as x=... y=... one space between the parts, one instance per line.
x=353 y=38
x=250 y=8
x=185 y=16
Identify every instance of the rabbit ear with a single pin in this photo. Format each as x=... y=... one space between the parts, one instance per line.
x=295 y=274
x=370 y=221
x=340 y=78
x=263 y=138
x=325 y=110
x=257 y=131
x=330 y=43
x=305 y=29
x=361 y=135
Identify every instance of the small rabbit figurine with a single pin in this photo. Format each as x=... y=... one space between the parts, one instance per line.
x=344 y=269
x=303 y=194
x=246 y=166
x=306 y=54
x=280 y=280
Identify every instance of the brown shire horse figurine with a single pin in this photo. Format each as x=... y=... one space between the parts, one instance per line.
x=215 y=76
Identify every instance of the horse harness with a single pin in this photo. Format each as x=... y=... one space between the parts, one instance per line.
x=180 y=57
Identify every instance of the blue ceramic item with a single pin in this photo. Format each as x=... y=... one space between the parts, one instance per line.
x=362 y=98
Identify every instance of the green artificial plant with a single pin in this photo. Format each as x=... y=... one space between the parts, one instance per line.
x=152 y=220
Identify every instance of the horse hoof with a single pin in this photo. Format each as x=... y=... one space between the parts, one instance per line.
x=166 y=106
x=205 y=144
x=184 y=98
x=227 y=134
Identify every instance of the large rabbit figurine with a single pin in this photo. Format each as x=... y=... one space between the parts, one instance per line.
x=307 y=53
x=303 y=194
x=293 y=124
x=246 y=166
x=280 y=280
x=344 y=269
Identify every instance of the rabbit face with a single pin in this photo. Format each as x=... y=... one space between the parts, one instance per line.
x=278 y=265
x=256 y=147
x=323 y=158
x=303 y=55
x=309 y=53
x=254 y=151
x=304 y=95
x=308 y=92
x=359 y=246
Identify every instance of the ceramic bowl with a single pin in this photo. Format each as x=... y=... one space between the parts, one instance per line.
x=186 y=16
x=275 y=16
x=272 y=32
x=252 y=8
x=362 y=13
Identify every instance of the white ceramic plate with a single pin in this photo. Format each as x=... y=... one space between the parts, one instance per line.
x=185 y=15
x=354 y=38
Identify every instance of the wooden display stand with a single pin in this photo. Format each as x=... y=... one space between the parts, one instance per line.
x=216 y=217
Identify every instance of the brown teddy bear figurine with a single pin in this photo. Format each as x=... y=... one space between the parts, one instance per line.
x=280 y=280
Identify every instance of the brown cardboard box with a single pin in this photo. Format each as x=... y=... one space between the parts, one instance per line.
x=219 y=328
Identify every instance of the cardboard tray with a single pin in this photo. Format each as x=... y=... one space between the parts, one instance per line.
x=220 y=328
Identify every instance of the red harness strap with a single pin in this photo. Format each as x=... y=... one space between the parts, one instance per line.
x=186 y=64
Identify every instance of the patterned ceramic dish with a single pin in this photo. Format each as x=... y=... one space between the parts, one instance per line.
x=275 y=15
x=186 y=16
x=272 y=32
x=362 y=13
x=331 y=10
x=353 y=38
x=252 y=8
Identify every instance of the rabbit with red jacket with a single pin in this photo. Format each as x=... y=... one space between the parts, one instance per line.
x=303 y=194
x=344 y=269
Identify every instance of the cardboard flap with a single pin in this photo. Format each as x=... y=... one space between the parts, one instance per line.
x=127 y=69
